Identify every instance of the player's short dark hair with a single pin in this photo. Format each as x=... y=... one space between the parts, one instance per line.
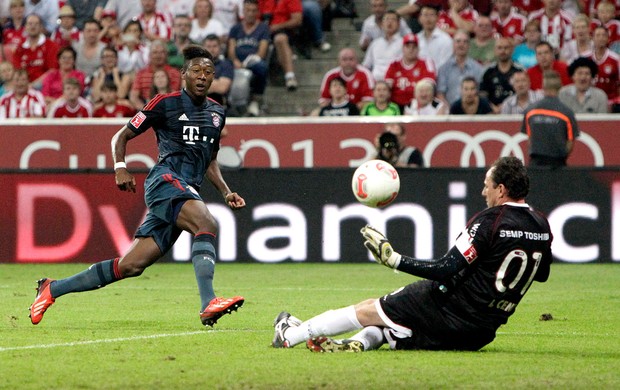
x=195 y=51
x=583 y=62
x=511 y=172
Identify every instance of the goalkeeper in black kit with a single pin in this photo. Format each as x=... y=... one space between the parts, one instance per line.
x=466 y=295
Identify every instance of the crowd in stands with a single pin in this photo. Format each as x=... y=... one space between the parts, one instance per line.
x=107 y=58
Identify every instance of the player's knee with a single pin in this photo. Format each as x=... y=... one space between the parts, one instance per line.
x=129 y=270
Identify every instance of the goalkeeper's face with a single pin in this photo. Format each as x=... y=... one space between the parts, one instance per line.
x=492 y=192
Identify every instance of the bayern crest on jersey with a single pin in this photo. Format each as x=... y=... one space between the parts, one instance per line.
x=608 y=69
x=216 y=119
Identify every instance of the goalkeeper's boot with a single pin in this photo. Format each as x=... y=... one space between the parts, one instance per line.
x=283 y=321
x=218 y=307
x=42 y=301
x=325 y=344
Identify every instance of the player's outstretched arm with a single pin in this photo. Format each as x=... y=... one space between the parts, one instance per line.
x=434 y=269
x=124 y=180
x=232 y=199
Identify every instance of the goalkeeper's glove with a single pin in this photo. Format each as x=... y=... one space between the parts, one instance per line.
x=380 y=247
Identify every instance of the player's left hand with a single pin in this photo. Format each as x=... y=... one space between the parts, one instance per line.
x=234 y=201
x=380 y=247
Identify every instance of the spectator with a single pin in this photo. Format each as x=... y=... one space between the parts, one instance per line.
x=141 y=87
x=470 y=103
x=13 y=29
x=434 y=43
x=524 y=54
x=459 y=16
x=608 y=62
x=411 y=11
x=285 y=17
x=555 y=24
x=156 y=25
x=133 y=55
x=37 y=53
x=53 y=83
x=550 y=126
x=125 y=10
x=371 y=27
x=110 y=30
x=204 y=24
x=402 y=75
x=582 y=45
x=386 y=49
x=606 y=17
x=109 y=72
x=111 y=106
x=85 y=10
x=224 y=71
x=339 y=104
x=180 y=39
x=495 y=84
x=360 y=82
x=161 y=83
x=459 y=66
x=581 y=97
x=228 y=12
x=71 y=104
x=312 y=29
x=507 y=21
x=248 y=47
x=482 y=47
x=7 y=81
x=47 y=10
x=425 y=102
x=67 y=32
x=546 y=61
x=23 y=101
x=177 y=7
x=89 y=49
x=523 y=96
x=381 y=105
x=408 y=156
x=525 y=7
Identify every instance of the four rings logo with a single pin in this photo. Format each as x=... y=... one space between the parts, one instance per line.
x=473 y=146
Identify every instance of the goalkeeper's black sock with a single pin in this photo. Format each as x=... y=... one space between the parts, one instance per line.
x=96 y=276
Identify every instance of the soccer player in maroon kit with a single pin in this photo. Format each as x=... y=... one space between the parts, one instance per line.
x=466 y=295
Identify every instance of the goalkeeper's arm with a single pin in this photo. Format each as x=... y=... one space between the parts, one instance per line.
x=435 y=269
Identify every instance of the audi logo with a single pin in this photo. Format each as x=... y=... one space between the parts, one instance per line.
x=474 y=146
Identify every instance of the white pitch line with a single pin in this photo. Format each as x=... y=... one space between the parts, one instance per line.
x=102 y=341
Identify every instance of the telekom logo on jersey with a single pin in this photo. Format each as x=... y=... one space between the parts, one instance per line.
x=191 y=135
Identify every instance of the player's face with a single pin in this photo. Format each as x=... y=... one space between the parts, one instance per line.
x=491 y=191
x=198 y=77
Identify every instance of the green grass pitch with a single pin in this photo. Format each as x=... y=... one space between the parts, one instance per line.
x=145 y=333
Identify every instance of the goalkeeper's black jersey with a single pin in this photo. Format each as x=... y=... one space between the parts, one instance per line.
x=508 y=247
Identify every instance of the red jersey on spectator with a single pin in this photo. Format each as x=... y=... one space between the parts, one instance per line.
x=11 y=39
x=61 y=109
x=52 y=82
x=74 y=36
x=556 y=30
x=536 y=75
x=608 y=77
x=359 y=85
x=445 y=21
x=117 y=111
x=527 y=6
x=280 y=10
x=160 y=24
x=613 y=26
x=37 y=60
x=590 y=6
x=144 y=81
x=511 y=27
x=32 y=105
x=403 y=78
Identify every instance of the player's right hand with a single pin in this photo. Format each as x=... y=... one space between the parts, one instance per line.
x=125 y=180
x=380 y=247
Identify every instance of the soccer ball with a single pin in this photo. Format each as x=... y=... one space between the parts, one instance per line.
x=375 y=183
